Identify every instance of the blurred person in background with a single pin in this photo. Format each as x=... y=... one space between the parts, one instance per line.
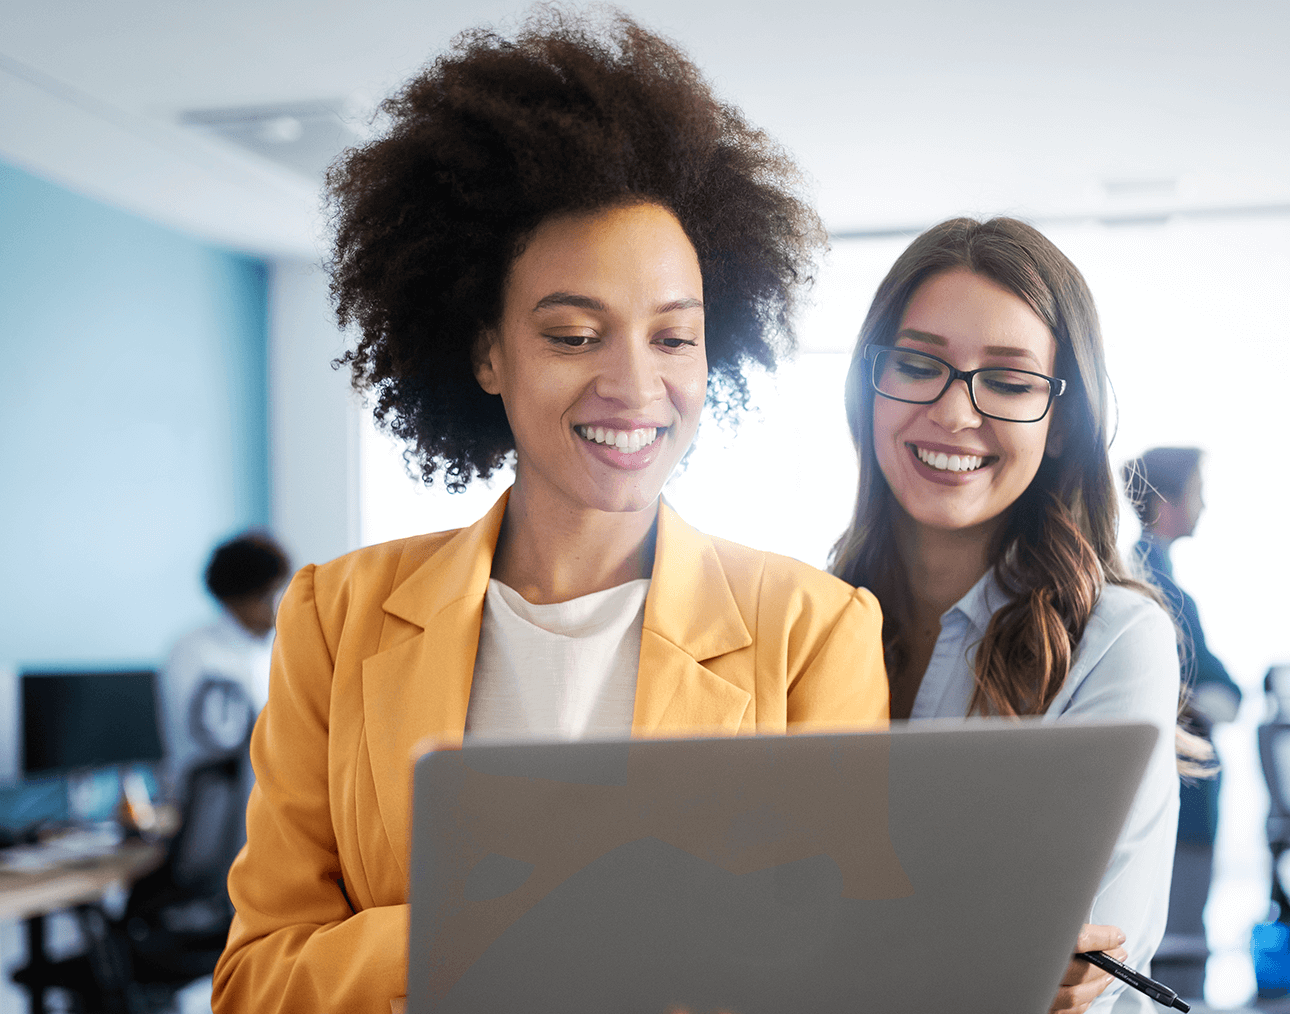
x=1165 y=488
x=216 y=678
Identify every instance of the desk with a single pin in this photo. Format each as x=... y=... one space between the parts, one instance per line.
x=31 y=894
x=28 y=893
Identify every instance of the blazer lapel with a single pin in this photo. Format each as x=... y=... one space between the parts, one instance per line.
x=417 y=686
x=690 y=616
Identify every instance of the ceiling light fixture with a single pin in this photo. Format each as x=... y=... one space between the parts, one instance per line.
x=303 y=136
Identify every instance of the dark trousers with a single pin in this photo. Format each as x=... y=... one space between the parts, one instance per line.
x=1180 y=963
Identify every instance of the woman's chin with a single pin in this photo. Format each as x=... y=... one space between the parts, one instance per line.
x=622 y=494
x=629 y=500
x=962 y=519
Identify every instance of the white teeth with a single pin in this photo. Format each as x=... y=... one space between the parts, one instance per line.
x=949 y=462
x=627 y=441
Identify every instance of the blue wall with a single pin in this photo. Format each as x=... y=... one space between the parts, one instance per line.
x=133 y=425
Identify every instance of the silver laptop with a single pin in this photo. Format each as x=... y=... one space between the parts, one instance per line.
x=935 y=867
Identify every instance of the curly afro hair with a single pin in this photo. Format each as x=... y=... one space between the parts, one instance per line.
x=499 y=134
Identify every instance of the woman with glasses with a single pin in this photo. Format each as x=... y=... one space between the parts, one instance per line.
x=985 y=522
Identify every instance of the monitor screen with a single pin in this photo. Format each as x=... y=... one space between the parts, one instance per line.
x=74 y=720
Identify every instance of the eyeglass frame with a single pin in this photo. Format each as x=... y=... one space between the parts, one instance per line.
x=1056 y=386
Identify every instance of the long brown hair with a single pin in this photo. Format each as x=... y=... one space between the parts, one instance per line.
x=1057 y=546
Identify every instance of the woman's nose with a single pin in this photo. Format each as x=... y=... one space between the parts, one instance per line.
x=630 y=375
x=954 y=410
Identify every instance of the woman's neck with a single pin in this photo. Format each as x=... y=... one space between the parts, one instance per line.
x=550 y=552
x=1165 y=540
x=942 y=565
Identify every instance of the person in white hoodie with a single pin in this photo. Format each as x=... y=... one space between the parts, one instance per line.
x=216 y=678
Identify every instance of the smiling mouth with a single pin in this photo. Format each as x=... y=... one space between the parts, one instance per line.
x=943 y=462
x=627 y=441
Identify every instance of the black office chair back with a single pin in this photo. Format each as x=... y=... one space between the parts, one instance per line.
x=177 y=918
x=213 y=826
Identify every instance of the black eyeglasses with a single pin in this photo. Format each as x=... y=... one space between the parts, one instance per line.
x=920 y=379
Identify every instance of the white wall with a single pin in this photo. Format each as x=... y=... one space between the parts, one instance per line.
x=313 y=420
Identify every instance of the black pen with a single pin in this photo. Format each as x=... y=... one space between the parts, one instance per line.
x=1158 y=991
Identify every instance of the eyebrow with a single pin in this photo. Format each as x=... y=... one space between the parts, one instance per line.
x=569 y=299
x=680 y=304
x=990 y=350
x=589 y=303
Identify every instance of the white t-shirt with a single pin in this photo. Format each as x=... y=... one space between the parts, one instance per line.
x=224 y=650
x=562 y=670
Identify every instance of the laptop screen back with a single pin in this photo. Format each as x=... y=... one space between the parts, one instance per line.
x=892 y=871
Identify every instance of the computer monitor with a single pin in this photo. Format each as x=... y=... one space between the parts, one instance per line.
x=72 y=721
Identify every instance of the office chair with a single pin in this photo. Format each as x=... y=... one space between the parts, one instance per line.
x=1269 y=944
x=1274 y=754
x=177 y=918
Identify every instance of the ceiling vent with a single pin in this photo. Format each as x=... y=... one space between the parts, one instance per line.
x=303 y=136
x=1150 y=187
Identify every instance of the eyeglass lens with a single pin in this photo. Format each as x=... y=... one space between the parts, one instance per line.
x=1007 y=394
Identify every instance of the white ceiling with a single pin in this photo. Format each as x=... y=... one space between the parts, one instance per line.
x=902 y=113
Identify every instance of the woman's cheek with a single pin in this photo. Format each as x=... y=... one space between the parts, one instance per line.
x=887 y=419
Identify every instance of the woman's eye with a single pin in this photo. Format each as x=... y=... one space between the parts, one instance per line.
x=672 y=341
x=1008 y=385
x=916 y=371
x=572 y=341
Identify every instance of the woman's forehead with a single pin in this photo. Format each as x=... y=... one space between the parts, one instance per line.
x=959 y=312
x=637 y=255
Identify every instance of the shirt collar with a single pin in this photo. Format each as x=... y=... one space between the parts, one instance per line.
x=982 y=601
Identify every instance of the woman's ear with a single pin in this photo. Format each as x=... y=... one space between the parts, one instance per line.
x=483 y=356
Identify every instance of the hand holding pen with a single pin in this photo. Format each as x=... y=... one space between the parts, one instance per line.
x=1158 y=991
x=1084 y=982
x=1099 y=958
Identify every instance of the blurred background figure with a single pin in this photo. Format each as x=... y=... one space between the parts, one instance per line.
x=1165 y=488
x=216 y=679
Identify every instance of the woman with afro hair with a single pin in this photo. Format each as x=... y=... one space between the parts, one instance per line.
x=561 y=248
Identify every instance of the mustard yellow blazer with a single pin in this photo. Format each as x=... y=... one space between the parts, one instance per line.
x=375 y=651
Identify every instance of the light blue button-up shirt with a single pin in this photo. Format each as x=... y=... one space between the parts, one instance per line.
x=1125 y=667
